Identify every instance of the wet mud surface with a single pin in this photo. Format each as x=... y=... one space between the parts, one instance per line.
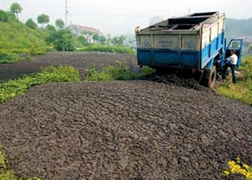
x=123 y=130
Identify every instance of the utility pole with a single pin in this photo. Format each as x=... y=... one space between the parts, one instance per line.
x=66 y=11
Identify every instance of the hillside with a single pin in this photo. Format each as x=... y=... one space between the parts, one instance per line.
x=238 y=27
x=17 y=37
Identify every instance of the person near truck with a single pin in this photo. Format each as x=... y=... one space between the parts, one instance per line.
x=231 y=62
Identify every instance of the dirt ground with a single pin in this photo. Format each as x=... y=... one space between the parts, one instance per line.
x=123 y=130
x=79 y=60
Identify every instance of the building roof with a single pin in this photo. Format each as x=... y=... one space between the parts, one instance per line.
x=84 y=28
x=246 y=39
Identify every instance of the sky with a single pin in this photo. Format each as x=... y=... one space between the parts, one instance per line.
x=117 y=17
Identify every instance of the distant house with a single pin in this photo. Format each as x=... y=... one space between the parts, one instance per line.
x=85 y=31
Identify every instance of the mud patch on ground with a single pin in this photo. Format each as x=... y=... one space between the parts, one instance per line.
x=122 y=130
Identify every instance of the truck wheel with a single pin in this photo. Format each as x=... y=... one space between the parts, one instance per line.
x=209 y=77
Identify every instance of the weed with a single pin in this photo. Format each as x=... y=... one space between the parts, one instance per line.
x=8 y=58
x=120 y=72
x=13 y=88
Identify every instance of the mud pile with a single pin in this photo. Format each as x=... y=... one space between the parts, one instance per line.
x=123 y=130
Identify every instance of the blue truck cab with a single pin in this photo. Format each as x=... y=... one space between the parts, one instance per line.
x=195 y=42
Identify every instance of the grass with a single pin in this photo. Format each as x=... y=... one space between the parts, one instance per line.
x=16 y=37
x=5 y=172
x=8 y=58
x=242 y=90
x=105 y=48
x=111 y=73
x=13 y=88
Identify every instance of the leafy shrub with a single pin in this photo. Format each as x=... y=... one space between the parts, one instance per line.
x=8 y=58
x=112 y=73
x=50 y=28
x=62 y=40
x=3 y=16
x=31 y=24
x=12 y=88
x=104 y=48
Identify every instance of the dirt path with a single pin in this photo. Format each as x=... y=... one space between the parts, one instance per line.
x=122 y=130
x=79 y=60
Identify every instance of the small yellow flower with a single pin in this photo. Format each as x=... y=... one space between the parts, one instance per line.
x=231 y=163
x=227 y=173
x=246 y=166
x=249 y=175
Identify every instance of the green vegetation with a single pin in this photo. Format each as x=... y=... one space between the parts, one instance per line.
x=4 y=16
x=59 y=23
x=100 y=38
x=5 y=173
x=120 y=72
x=18 y=38
x=62 y=40
x=43 y=19
x=12 y=88
x=105 y=48
x=7 y=58
x=31 y=24
x=16 y=9
x=242 y=90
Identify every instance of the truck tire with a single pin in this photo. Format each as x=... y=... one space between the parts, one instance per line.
x=209 y=77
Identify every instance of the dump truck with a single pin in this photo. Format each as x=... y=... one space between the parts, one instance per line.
x=195 y=42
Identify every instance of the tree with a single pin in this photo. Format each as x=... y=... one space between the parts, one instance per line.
x=16 y=9
x=62 y=40
x=59 y=24
x=50 y=28
x=31 y=24
x=3 y=16
x=43 y=19
x=118 y=41
x=99 y=38
x=83 y=40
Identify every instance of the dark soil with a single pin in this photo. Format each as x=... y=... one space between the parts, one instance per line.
x=79 y=60
x=123 y=130
x=86 y=60
x=17 y=70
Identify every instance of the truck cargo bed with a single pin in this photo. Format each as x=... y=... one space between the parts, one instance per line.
x=190 y=42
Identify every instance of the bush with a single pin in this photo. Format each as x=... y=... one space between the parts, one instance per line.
x=31 y=24
x=3 y=16
x=18 y=87
x=8 y=58
x=62 y=40
x=120 y=72
x=112 y=49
